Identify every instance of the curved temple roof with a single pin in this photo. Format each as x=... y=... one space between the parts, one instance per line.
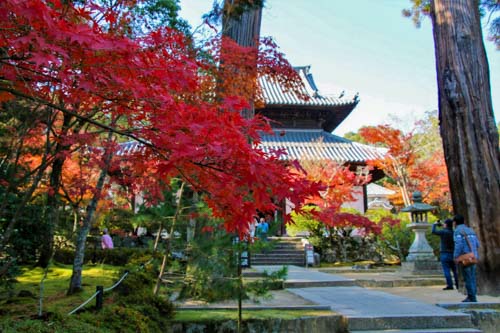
x=318 y=145
x=301 y=145
x=306 y=109
x=274 y=94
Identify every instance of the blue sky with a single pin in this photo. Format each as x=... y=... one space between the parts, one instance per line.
x=363 y=46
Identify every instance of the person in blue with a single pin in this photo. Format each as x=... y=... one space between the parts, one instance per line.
x=262 y=229
x=462 y=247
x=446 y=252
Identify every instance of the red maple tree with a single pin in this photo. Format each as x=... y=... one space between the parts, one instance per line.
x=340 y=186
x=408 y=167
x=75 y=62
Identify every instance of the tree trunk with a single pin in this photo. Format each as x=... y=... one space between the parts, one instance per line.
x=245 y=31
x=168 y=247
x=52 y=212
x=75 y=284
x=467 y=125
x=52 y=209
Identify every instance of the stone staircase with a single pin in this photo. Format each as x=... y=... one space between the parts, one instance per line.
x=368 y=311
x=365 y=310
x=411 y=324
x=430 y=330
x=285 y=251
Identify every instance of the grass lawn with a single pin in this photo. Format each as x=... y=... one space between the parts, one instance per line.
x=19 y=313
x=55 y=287
x=56 y=301
x=215 y=315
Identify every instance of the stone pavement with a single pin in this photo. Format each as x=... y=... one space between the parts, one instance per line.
x=308 y=277
x=374 y=309
x=373 y=300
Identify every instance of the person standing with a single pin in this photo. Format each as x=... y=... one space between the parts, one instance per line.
x=463 y=237
x=252 y=227
x=446 y=252
x=106 y=240
x=263 y=229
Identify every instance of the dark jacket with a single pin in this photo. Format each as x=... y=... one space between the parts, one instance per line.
x=447 y=243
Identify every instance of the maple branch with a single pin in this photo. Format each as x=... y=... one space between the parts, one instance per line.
x=83 y=118
x=211 y=166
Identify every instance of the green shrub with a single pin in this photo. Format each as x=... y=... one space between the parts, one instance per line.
x=8 y=277
x=52 y=324
x=116 y=257
x=136 y=292
x=124 y=319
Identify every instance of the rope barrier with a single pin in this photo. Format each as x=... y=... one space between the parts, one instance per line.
x=187 y=277
x=141 y=266
x=117 y=283
x=84 y=303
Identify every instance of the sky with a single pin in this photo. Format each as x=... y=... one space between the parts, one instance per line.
x=360 y=46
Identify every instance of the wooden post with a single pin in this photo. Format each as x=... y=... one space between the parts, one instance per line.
x=99 y=297
x=240 y=291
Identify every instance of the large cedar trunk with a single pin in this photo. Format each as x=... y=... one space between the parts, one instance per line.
x=244 y=29
x=467 y=125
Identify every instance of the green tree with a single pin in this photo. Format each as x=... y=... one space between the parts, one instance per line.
x=492 y=8
x=355 y=136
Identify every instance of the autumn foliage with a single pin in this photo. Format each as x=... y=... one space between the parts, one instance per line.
x=82 y=76
x=339 y=188
x=409 y=166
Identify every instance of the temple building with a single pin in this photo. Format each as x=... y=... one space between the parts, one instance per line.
x=379 y=197
x=303 y=128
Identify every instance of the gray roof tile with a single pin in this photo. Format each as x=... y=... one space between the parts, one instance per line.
x=275 y=94
x=318 y=145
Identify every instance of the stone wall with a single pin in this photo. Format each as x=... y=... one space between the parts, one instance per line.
x=319 y=324
x=484 y=316
x=487 y=320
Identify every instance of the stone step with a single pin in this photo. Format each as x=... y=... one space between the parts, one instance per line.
x=284 y=248
x=310 y=284
x=468 y=306
x=279 y=253
x=271 y=261
x=430 y=330
x=285 y=239
x=417 y=322
x=288 y=246
x=370 y=283
x=283 y=261
x=288 y=242
x=278 y=258
x=285 y=251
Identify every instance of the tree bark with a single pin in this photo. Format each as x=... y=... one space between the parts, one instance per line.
x=467 y=125
x=52 y=209
x=168 y=248
x=75 y=284
x=245 y=31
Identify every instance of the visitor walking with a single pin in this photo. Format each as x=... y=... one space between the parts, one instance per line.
x=446 y=252
x=466 y=241
x=106 y=240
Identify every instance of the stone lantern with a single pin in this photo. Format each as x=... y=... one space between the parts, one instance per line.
x=421 y=258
